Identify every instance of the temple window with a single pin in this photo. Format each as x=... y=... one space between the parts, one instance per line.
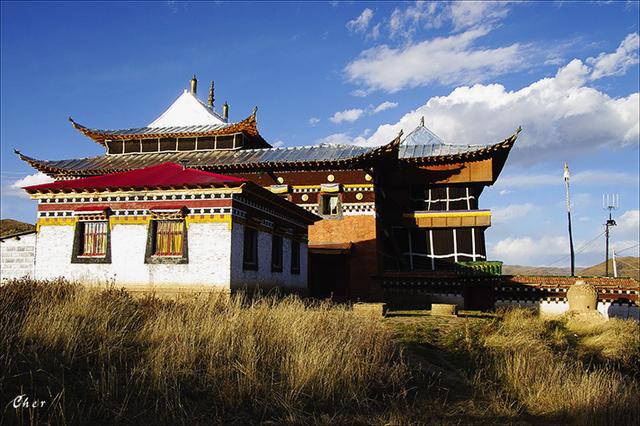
x=250 y=249
x=94 y=238
x=168 y=238
x=436 y=248
x=295 y=257
x=91 y=242
x=276 y=253
x=443 y=198
x=167 y=241
x=329 y=205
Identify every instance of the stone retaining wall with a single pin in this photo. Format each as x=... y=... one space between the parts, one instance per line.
x=17 y=256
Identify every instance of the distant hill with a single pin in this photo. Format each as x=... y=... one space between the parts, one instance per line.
x=534 y=270
x=627 y=267
x=11 y=227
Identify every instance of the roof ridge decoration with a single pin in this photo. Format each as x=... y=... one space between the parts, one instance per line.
x=248 y=126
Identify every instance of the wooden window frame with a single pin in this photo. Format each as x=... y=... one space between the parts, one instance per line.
x=253 y=264
x=322 y=196
x=151 y=255
x=277 y=246
x=78 y=255
x=295 y=248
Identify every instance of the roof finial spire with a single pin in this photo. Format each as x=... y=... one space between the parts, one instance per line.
x=194 y=85
x=225 y=111
x=211 y=98
x=422 y=121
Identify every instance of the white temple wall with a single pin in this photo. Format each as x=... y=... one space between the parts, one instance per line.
x=17 y=256
x=208 y=252
x=264 y=277
x=555 y=308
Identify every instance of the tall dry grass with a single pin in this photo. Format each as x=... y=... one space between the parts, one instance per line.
x=106 y=357
x=541 y=367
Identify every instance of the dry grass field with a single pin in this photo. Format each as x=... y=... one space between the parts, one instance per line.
x=105 y=357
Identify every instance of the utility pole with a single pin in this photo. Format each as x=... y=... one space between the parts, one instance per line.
x=609 y=202
x=615 y=267
x=566 y=185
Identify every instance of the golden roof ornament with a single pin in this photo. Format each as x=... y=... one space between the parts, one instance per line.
x=225 y=110
x=194 y=85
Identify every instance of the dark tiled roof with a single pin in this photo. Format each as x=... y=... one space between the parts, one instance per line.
x=220 y=159
x=422 y=142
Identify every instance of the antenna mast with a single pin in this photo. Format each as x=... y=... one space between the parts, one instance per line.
x=609 y=202
x=566 y=185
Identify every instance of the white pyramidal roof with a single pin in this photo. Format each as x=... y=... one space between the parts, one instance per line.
x=187 y=110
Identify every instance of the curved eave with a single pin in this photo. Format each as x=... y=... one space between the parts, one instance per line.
x=58 y=172
x=96 y=189
x=499 y=151
x=248 y=126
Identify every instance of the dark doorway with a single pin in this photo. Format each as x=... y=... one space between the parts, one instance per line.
x=328 y=275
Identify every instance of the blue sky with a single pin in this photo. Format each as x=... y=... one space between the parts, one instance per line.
x=354 y=72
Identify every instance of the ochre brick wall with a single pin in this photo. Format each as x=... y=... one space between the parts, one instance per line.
x=361 y=232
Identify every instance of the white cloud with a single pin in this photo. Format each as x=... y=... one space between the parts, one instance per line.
x=349 y=115
x=553 y=250
x=562 y=116
x=510 y=212
x=15 y=189
x=375 y=32
x=384 y=106
x=461 y=15
x=278 y=144
x=336 y=138
x=405 y=22
x=465 y=14
x=445 y=60
x=587 y=177
x=360 y=24
x=628 y=224
x=616 y=63
x=530 y=251
x=314 y=120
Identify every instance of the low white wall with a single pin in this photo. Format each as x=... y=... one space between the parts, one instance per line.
x=264 y=277
x=208 y=247
x=17 y=256
x=554 y=308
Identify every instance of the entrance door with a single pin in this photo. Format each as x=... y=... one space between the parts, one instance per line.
x=328 y=276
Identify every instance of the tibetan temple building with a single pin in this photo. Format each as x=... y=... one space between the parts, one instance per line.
x=169 y=227
x=407 y=210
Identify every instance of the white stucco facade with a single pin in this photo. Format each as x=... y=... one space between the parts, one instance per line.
x=209 y=258
x=264 y=276
x=17 y=256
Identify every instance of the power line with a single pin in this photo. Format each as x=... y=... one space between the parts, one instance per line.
x=579 y=250
x=628 y=248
